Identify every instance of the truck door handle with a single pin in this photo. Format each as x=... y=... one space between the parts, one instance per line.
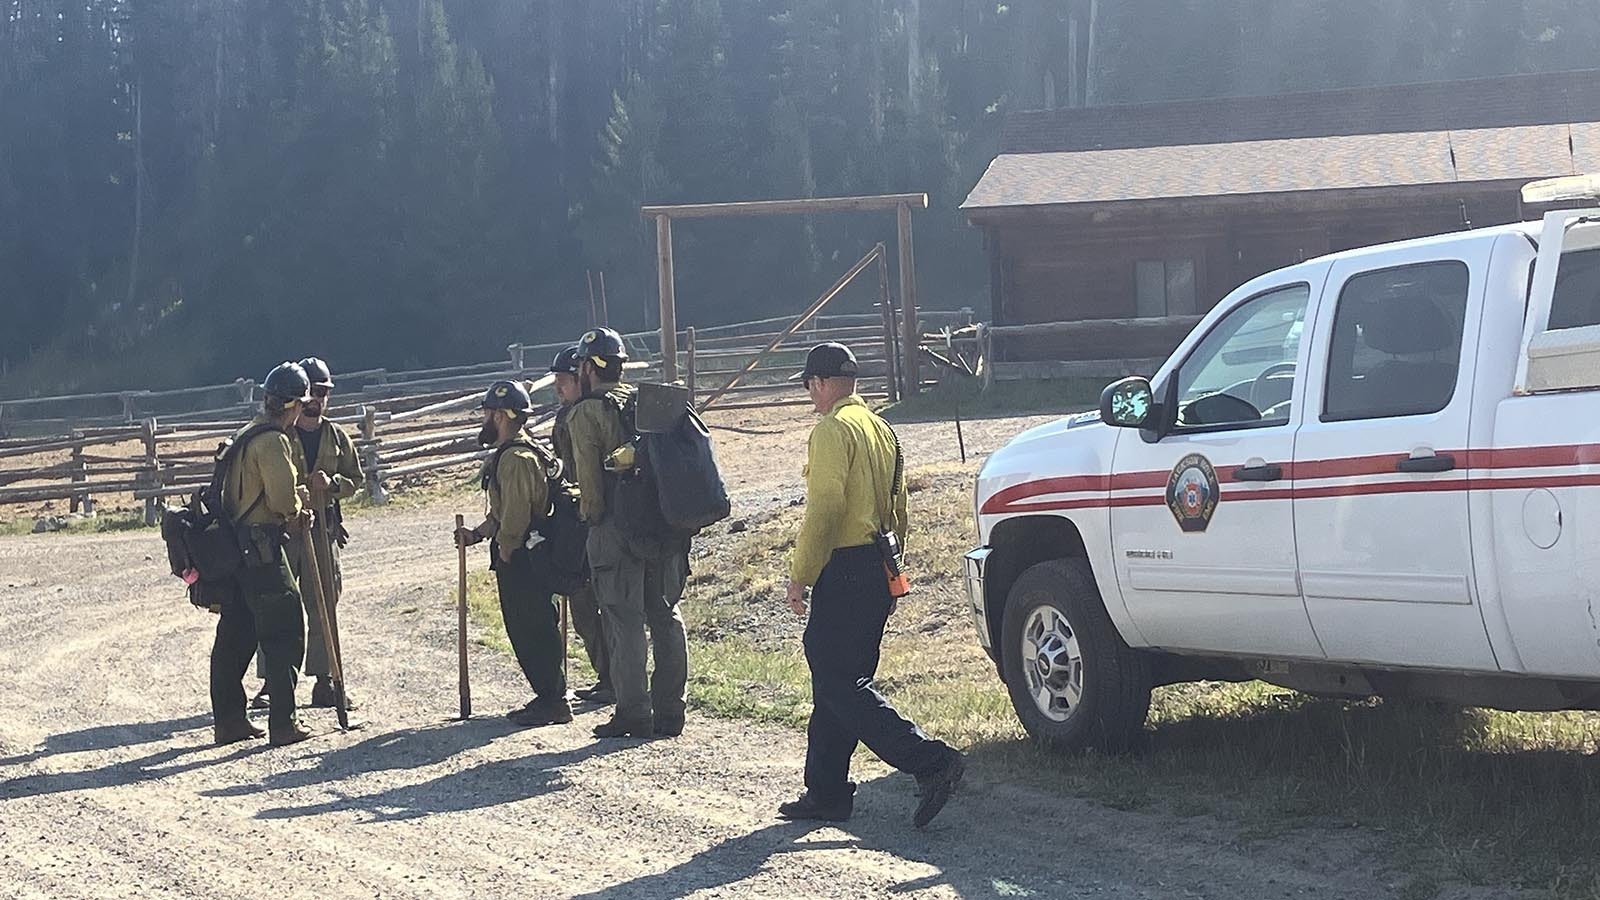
x=1440 y=462
x=1269 y=472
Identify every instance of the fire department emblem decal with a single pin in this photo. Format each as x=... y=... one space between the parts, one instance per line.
x=1192 y=493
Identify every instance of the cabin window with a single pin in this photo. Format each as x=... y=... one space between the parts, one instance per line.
x=1164 y=287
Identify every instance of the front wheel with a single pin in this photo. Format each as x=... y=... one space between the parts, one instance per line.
x=1074 y=682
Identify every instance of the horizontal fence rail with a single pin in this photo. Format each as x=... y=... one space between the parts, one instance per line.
x=156 y=445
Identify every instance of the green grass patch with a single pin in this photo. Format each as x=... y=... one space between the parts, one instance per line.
x=487 y=627
x=1004 y=398
x=102 y=523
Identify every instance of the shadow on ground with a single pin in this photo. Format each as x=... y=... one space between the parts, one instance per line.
x=481 y=786
x=881 y=823
x=102 y=737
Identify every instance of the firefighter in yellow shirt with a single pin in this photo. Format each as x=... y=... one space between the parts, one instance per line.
x=263 y=499
x=638 y=568
x=325 y=458
x=515 y=480
x=586 y=618
x=855 y=491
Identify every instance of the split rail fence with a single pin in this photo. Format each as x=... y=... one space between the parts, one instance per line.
x=149 y=445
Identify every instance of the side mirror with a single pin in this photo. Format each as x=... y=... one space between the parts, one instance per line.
x=1127 y=403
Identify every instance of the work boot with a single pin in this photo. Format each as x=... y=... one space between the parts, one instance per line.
x=641 y=728
x=323 y=695
x=668 y=727
x=283 y=737
x=224 y=733
x=809 y=807
x=513 y=713
x=601 y=694
x=542 y=712
x=262 y=699
x=935 y=788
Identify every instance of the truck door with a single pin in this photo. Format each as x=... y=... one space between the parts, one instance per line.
x=1202 y=520
x=1380 y=462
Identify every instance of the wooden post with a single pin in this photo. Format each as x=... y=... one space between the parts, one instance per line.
x=886 y=307
x=127 y=406
x=80 y=473
x=519 y=356
x=147 y=434
x=688 y=346
x=369 y=433
x=669 y=306
x=986 y=355
x=911 y=384
x=594 y=311
x=605 y=314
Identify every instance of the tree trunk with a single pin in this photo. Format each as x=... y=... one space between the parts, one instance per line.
x=875 y=69
x=913 y=26
x=553 y=80
x=138 y=190
x=1089 y=75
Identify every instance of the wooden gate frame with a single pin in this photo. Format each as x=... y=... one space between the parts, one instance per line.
x=901 y=204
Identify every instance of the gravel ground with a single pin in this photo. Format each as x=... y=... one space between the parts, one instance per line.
x=109 y=786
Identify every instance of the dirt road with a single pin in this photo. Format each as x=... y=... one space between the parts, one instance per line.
x=109 y=786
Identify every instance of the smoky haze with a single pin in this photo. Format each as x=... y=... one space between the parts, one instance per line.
x=193 y=191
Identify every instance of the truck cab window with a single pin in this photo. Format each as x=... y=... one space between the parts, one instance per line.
x=1242 y=372
x=1576 y=302
x=1396 y=343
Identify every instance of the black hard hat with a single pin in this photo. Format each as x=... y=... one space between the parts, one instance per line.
x=510 y=396
x=287 y=381
x=566 y=362
x=317 y=371
x=603 y=347
x=830 y=360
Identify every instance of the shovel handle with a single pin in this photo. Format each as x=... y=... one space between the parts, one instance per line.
x=461 y=623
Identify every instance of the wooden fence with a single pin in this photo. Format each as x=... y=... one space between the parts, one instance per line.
x=405 y=423
x=1077 y=349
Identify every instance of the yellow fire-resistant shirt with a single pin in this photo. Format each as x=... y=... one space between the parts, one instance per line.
x=849 y=476
x=596 y=431
x=265 y=469
x=336 y=458
x=518 y=495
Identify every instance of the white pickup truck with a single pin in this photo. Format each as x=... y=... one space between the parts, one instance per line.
x=1376 y=473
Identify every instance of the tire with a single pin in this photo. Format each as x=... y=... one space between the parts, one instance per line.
x=1075 y=684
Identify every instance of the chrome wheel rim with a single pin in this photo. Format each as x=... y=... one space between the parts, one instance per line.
x=1052 y=663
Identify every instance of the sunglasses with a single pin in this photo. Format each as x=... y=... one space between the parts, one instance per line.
x=321 y=391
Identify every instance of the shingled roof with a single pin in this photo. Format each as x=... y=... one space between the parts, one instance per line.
x=1294 y=164
x=1494 y=129
x=1540 y=99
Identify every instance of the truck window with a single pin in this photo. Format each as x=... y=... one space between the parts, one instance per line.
x=1396 y=343
x=1576 y=302
x=1242 y=372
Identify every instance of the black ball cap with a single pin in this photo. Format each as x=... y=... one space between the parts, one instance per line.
x=830 y=360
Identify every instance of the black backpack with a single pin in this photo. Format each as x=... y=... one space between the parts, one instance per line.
x=563 y=554
x=202 y=537
x=688 y=480
x=676 y=487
